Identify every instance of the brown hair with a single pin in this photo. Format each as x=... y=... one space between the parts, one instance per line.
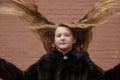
x=83 y=37
x=28 y=11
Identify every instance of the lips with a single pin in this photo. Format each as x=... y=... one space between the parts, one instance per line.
x=62 y=43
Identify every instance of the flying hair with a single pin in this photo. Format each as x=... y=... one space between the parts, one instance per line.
x=27 y=10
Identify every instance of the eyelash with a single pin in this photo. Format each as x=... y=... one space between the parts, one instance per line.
x=60 y=35
x=67 y=35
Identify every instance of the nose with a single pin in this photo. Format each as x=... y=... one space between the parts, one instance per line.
x=62 y=38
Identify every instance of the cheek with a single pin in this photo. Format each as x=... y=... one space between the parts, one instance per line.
x=55 y=41
x=70 y=43
x=71 y=40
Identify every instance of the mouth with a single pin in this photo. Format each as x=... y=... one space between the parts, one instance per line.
x=62 y=43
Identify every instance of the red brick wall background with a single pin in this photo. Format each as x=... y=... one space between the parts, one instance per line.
x=19 y=45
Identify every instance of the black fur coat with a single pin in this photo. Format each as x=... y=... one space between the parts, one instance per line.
x=55 y=66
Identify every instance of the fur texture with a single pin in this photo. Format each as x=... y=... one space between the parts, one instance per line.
x=113 y=73
x=53 y=66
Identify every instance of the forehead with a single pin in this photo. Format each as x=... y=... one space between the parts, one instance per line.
x=62 y=30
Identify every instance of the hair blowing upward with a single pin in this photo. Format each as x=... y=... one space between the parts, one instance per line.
x=28 y=11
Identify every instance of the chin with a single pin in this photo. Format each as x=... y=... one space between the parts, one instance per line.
x=64 y=48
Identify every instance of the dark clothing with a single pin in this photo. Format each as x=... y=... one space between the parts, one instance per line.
x=55 y=66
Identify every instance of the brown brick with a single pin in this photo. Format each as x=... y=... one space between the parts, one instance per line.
x=19 y=46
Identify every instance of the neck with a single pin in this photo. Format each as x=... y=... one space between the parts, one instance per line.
x=64 y=51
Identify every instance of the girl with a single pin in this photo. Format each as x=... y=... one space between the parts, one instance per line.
x=66 y=44
x=63 y=62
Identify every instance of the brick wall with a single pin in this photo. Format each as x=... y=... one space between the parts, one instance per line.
x=19 y=45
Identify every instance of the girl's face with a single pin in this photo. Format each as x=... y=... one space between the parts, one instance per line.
x=64 y=39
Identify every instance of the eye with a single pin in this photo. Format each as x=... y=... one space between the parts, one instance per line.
x=58 y=35
x=67 y=35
